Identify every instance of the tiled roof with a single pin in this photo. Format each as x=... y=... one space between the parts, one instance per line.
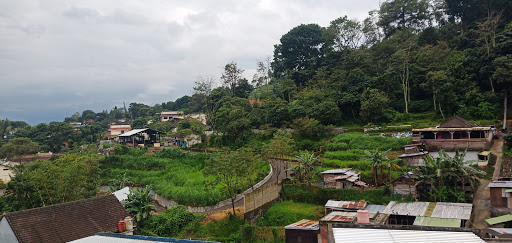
x=458 y=122
x=67 y=221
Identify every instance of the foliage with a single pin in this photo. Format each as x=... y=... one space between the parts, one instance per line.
x=18 y=147
x=138 y=204
x=170 y=222
x=229 y=170
x=444 y=174
x=315 y=195
x=288 y=212
x=43 y=183
x=302 y=169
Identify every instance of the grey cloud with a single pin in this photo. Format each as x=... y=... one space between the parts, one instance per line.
x=62 y=56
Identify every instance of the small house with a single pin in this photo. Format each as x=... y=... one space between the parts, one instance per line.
x=483 y=159
x=171 y=115
x=405 y=185
x=342 y=178
x=116 y=130
x=63 y=222
x=304 y=231
x=413 y=155
x=501 y=194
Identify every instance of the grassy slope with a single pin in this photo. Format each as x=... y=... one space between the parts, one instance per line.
x=176 y=175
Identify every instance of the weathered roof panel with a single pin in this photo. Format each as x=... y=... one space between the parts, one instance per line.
x=499 y=219
x=440 y=222
x=452 y=210
x=345 y=205
x=304 y=224
x=337 y=216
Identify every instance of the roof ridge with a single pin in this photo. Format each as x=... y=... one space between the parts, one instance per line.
x=58 y=204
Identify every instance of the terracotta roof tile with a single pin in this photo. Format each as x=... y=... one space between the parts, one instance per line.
x=67 y=221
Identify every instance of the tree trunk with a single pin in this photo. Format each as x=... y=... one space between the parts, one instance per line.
x=440 y=110
x=233 y=205
x=492 y=85
x=505 y=111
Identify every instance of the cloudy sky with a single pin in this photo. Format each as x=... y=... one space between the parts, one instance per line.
x=58 y=57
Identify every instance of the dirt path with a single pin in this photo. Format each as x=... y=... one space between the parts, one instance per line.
x=481 y=202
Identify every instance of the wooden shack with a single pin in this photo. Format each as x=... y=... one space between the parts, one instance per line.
x=342 y=178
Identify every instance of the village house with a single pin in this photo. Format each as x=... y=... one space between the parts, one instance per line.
x=405 y=185
x=342 y=178
x=345 y=206
x=456 y=133
x=171 y=115
x=116 y=130
x=501 y=194
x=413 y=155
x=6 y=170
x=63 y=222
x=141 y=137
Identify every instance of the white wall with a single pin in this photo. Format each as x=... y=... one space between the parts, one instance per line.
x=6 y=233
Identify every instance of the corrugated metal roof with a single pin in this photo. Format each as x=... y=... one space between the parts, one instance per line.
x=361 y=235
x=347 y=171
x=372 y=208
x=439 y=210
x=304 y=224
x=452 y=210
x=503 y=184
x=132 y=132
x=411 y=209
x=338 y=216
x=499 y=219
x=345 y=205
x=412 y=155
x=429 y=221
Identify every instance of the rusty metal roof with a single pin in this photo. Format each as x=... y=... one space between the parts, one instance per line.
x=337 y=216
x=345 y=205
x=305 y=224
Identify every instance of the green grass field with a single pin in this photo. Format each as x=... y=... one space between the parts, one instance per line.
x=289 y=212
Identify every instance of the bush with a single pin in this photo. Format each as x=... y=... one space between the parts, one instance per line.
x=170 y=222
x=288 y=212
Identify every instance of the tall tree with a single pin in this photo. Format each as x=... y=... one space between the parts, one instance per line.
x=231 y=76
x=204 y=86
x=404 y=14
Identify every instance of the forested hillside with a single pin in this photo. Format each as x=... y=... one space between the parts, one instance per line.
x=441 y=58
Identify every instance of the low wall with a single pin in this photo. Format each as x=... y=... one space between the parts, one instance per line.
x=461 y=144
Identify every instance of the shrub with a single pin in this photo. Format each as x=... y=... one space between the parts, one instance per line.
x=170 y=222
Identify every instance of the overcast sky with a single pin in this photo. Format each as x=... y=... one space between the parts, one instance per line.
x=58 y=57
